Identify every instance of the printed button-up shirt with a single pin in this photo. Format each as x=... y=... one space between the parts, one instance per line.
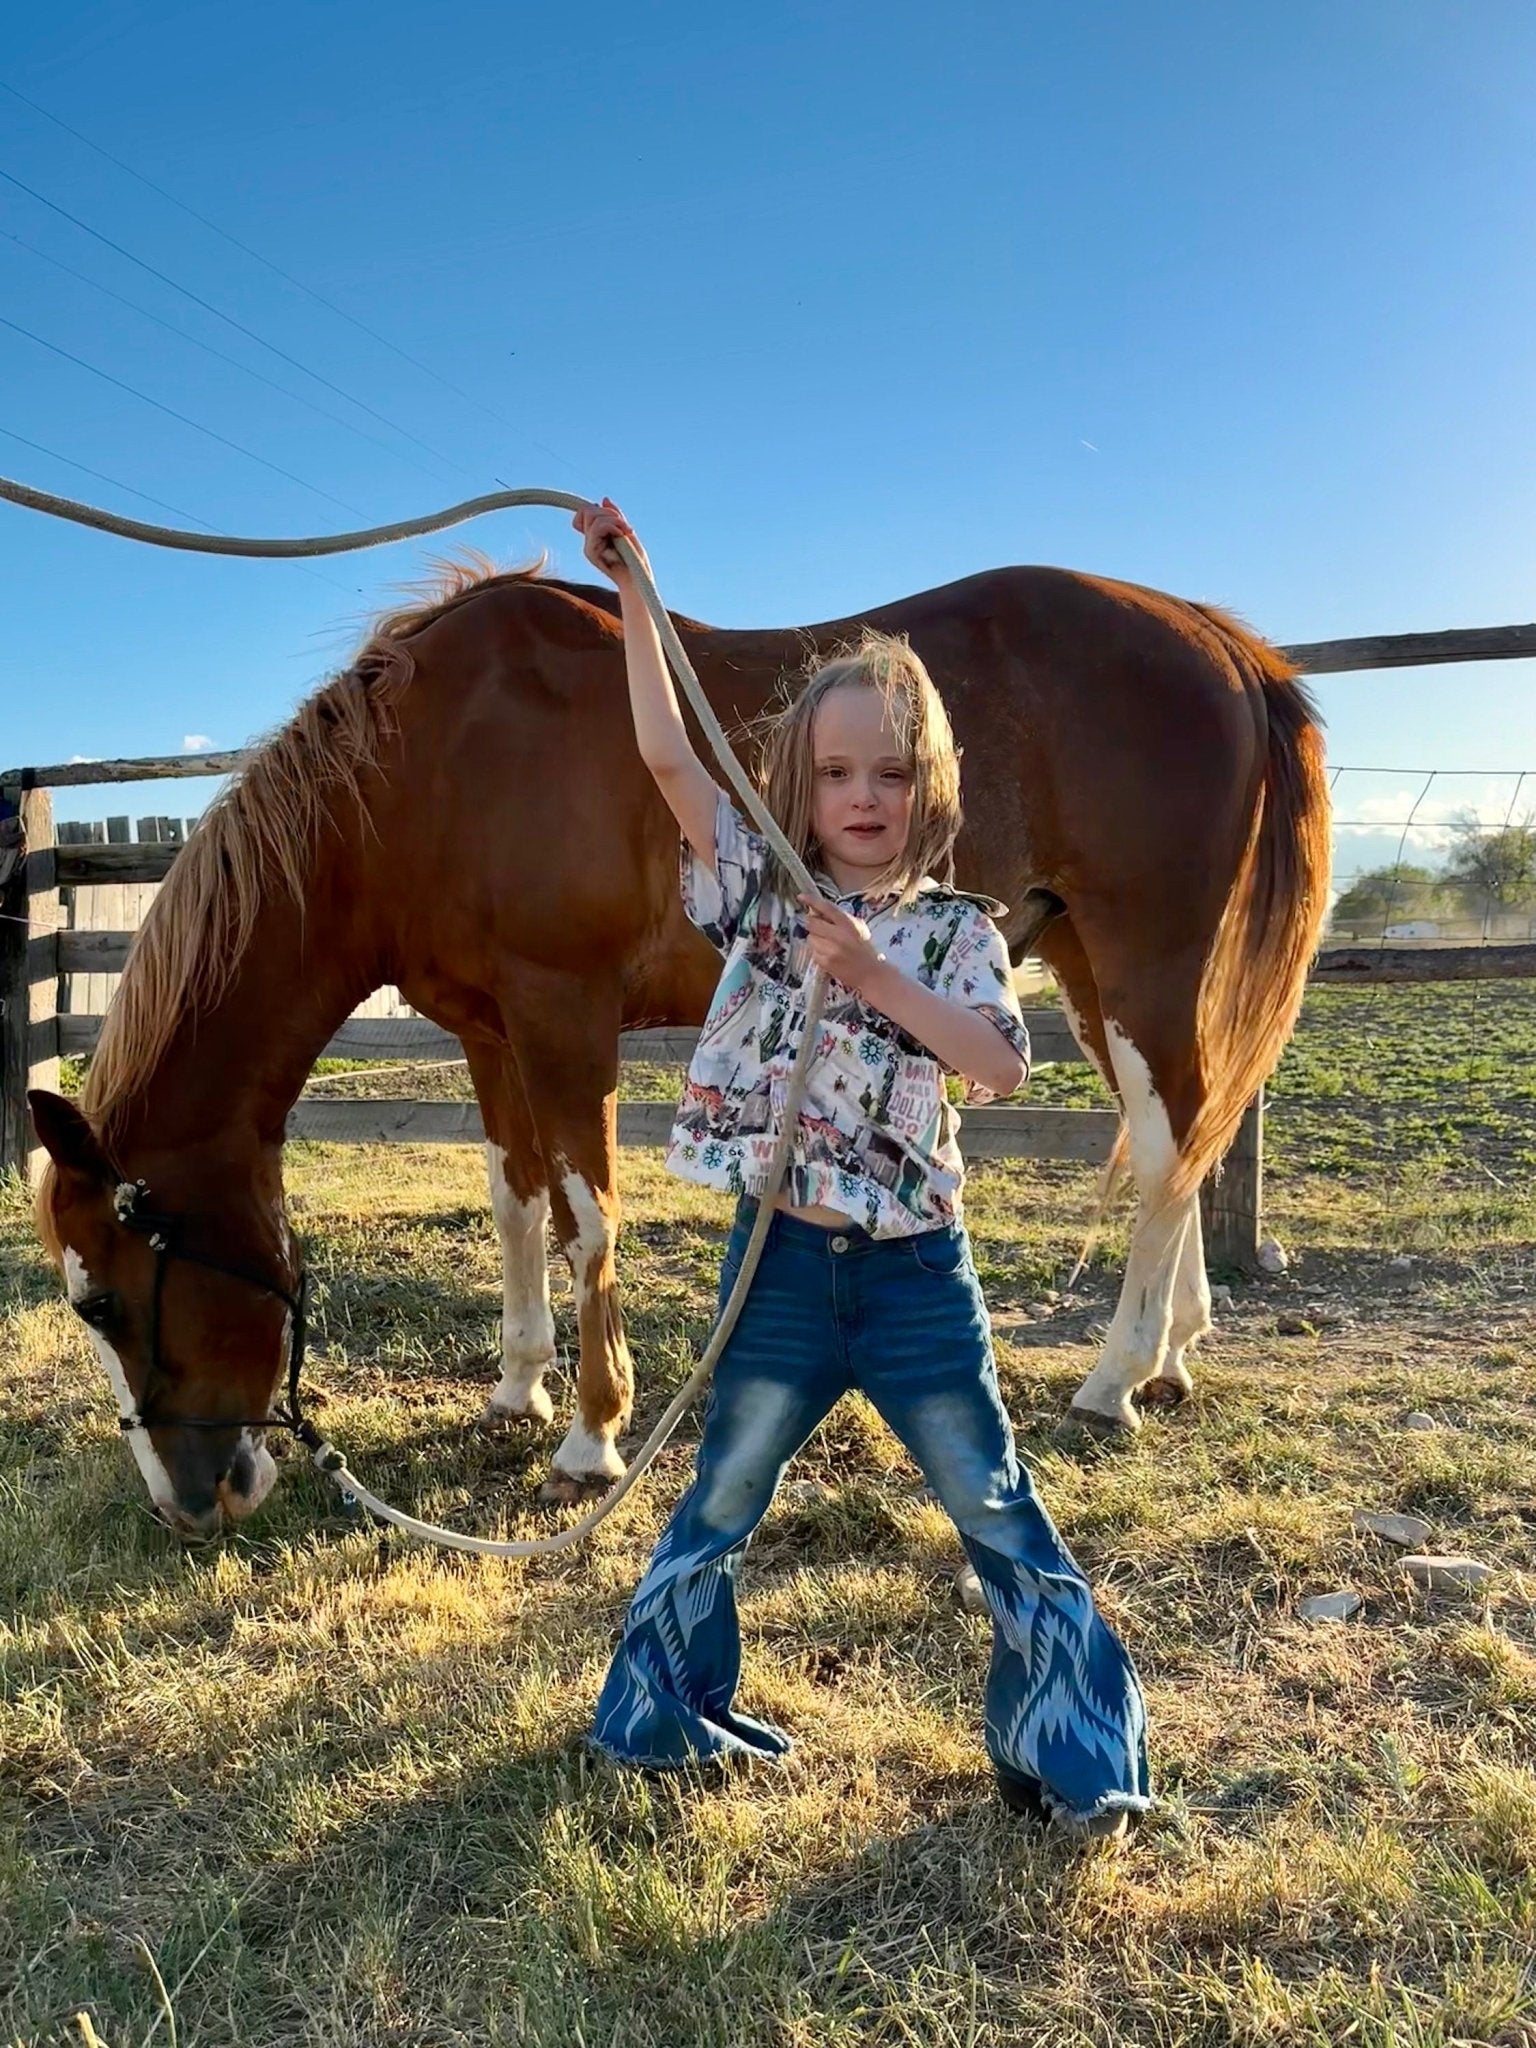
x=877 y=1135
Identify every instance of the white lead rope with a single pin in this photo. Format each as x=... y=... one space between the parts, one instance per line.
x=326 y=1456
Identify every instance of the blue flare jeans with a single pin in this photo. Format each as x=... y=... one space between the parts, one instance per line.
x=902 y=1319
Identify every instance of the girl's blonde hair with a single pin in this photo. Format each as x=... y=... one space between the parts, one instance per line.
x=787 y=767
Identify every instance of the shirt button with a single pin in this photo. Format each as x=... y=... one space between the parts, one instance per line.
x=839 y=1244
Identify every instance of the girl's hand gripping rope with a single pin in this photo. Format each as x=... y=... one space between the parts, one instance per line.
x=840 y=945
x=599 y=526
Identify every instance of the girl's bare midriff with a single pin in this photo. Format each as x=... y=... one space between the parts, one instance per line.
x=824 y=1219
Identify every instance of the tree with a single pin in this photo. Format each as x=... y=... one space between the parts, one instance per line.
x=1388 y=895
x=1492 y=870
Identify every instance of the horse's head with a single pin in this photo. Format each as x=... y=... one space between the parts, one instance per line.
x=189 y=1290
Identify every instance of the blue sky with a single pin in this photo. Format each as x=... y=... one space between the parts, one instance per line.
x=840 y=302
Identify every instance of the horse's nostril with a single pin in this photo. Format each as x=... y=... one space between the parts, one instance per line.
x=240 y=1476
x=189 y=1523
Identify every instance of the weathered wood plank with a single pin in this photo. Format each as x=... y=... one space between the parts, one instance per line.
x=1008 y=1131
x=1232 y=1199
x=1349 y=965
x=1413 y=650
x=387 y=1122
x=153 y=768
x=1316 y=657
x=91 y=866
x=414 y=1038
x=1000 y=1132
x=93 y=952
x=30 y=913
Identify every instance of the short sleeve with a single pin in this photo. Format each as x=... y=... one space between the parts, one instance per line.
x=716 y=902
x=977 y=973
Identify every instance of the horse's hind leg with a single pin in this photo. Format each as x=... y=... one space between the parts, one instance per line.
x=1161 y=1249
x=1141 y=1039
x=1189 y=1319
x=520 y=1207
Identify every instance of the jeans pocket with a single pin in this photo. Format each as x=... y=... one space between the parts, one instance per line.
x=941 y=1251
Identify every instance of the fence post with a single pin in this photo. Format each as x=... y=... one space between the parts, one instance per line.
x=1232 y=1199
x=30 y=914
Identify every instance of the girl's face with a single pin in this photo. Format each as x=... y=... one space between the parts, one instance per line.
x=862 y=810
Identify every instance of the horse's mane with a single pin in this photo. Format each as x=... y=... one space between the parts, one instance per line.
x=260 y=833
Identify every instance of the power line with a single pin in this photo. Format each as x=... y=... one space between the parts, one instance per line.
x=1424 y=771
x=277 y=271
x=133 y=491
x=171 y=412
x=228 y=318
x=217 y=353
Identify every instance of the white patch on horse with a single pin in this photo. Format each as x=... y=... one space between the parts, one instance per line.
x=1190 y=1312
x=77 y=1283
x=1138 y=1337
x=264 y=1473
x=594 y=1233
x=527 y=1324
x=1085 y=1044
x=585 y=1455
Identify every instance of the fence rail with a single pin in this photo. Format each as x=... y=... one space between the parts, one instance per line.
x=35 y=864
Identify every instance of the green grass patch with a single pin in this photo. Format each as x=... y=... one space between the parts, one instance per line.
x=337 y=1793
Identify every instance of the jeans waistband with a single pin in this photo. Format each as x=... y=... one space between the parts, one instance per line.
x=845 y=1240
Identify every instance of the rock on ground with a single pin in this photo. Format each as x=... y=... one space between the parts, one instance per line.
x=805 y=1493
x=1407 y=1531
x=1448 y=1574
x=968 y=1593
x=1330 y=1606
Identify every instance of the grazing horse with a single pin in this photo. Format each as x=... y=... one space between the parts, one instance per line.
x=463 y=813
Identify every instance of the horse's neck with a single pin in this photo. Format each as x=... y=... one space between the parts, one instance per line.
x=235 y=1068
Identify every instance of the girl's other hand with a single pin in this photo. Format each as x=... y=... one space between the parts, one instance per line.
x=598 y=526
x=841 y=946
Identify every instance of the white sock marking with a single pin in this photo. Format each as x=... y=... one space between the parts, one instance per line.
x=584 y=1455
x=1138 y=1336
x=527 y=1323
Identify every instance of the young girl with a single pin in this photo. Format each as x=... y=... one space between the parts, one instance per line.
x=866 y=1278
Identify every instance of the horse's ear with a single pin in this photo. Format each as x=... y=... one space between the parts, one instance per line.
x=66 y=1136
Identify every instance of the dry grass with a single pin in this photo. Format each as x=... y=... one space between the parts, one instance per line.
x=337 y=1794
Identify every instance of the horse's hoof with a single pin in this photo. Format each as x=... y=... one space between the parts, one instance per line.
x=567 y=1490
x=1109 y=1429
x=534 y=1407
x=1160 y=1393
x=497 y=1421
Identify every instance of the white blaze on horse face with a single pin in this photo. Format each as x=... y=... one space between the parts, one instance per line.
x=527 y=1324
x=78 y=1284
x=1138 y=1336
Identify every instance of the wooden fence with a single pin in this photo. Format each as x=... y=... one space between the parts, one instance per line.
x=43 y=956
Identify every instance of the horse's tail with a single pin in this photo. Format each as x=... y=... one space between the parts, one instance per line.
x=1256 y=972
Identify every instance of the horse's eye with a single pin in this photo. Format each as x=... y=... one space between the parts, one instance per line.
x=99 y=1310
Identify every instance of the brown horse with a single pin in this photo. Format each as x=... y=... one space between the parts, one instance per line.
x=463 y=813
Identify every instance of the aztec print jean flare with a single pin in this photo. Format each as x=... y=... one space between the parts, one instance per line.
x=901 y=1319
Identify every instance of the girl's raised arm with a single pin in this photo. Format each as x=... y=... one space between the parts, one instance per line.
x=660 y=734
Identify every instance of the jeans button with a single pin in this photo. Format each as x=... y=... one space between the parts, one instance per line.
x=839 y=1244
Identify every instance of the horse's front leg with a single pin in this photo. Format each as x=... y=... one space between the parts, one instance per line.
x=565 y=1035
x=520 y=1207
